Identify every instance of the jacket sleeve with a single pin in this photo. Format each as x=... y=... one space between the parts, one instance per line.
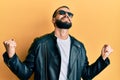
x=23 y=70
x=90 y=71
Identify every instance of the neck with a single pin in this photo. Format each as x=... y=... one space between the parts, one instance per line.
x=61 y=33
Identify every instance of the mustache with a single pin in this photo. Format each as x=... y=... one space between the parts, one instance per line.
x=66 y=17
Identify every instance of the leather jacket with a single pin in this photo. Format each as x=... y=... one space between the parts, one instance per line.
x=44 y=60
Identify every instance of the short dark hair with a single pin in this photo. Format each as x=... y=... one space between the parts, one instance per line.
x=54 y=14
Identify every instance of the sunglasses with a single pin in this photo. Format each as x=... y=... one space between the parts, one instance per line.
x=62 y=12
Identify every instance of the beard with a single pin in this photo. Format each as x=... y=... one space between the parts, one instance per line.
x=63 y=25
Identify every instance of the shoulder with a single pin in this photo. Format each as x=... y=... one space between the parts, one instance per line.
x=42 y=39
x=77 y=42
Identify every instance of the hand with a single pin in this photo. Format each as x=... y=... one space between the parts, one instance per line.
x=10 y=46
x=106 y=51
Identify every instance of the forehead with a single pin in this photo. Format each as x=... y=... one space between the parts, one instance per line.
x=65 y=9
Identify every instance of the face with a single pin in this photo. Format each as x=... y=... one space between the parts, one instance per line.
x=63 y=18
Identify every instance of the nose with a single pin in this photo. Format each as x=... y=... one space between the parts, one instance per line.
x=66 y=15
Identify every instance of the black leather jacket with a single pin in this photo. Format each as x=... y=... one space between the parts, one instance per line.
x=45 y=61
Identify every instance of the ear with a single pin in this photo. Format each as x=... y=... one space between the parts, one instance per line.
x=53 y=20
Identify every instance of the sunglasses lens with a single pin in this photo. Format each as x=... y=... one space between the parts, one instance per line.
x=70 y=14
x=61 y=12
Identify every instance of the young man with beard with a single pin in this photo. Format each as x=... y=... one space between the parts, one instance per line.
x=56 y=56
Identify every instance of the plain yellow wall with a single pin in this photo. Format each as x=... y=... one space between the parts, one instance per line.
x=95 y=23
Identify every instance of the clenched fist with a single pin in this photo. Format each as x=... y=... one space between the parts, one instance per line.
x=106 y=51
x=10 y=46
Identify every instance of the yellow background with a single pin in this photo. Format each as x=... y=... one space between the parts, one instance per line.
x=95 y=23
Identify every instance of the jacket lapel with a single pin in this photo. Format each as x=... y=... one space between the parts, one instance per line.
x=74 y=53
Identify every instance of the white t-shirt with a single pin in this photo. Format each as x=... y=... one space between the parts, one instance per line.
x=64 y=46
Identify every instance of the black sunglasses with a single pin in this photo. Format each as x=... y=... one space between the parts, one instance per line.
x=62 y=12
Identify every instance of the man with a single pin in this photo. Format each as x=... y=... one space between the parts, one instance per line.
x=56 y=56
